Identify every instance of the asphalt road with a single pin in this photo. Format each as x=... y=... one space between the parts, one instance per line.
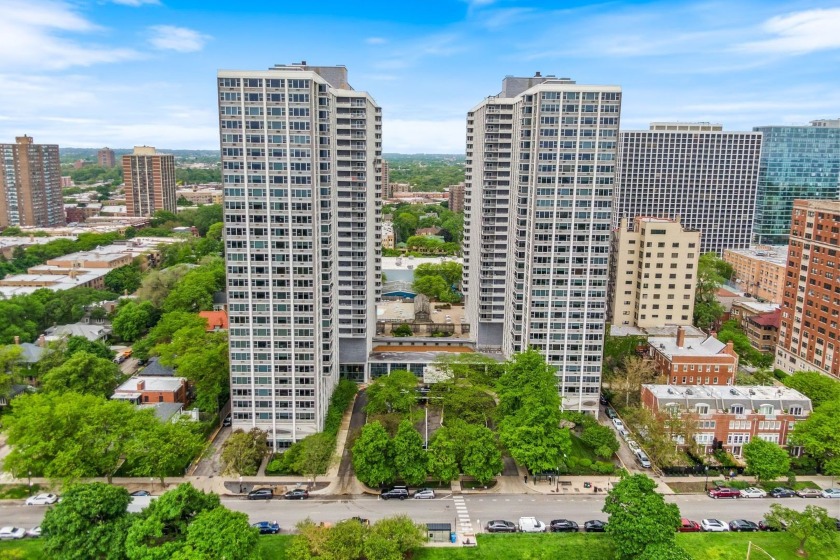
x=480 y=508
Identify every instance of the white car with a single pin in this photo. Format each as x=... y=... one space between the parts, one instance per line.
x=619 y=425
x=34 y=532
x=42 y=500
x=424 y=494
x=831 y=493
x=753 y=492
x=531 y=525
x=634 y=447
x=7 y=533
x=714 y=526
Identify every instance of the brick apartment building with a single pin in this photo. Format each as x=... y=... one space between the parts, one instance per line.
x=808 y=333
x=153 y=389
x=762 y=330
x=759 y=271
x=730 y=417
x=693 y=361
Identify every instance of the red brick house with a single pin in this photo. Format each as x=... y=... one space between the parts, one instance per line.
x=681 y=361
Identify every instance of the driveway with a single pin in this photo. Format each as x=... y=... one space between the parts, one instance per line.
x=627 y=458
x=211 y=464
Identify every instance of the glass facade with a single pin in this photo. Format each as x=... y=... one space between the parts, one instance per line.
x=796 y=162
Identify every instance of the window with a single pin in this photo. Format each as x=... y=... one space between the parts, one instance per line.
x=701 y=409
x=766 y=409
x=736 y=409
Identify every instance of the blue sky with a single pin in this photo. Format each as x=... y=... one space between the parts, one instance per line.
x=89 y=73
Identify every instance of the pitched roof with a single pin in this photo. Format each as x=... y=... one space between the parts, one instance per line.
x=215 y=320
x=31 y=353
x=769 y=319
x=154 y=367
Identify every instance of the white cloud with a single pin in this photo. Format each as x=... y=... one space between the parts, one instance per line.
x=410 y=53
x=422 y=136
x=376 y=40
x=181 y=39
x=799 y=33
x=135 y=3
x=37 y=31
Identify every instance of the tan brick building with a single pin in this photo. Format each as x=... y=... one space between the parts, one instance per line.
x=149 y=182
x=759 y=271
x=456 y=197
x=30 y=184
x=730 y=417
x=763 y=330
x=692 y=361
x=808 y=333
x=105 y=157
x=653 y=273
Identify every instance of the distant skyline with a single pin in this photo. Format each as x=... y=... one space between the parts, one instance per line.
x=91 y=73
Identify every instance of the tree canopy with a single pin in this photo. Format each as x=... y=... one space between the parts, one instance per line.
x=712 y=272
x=394 y=392
x=766 y=460
x=83 y=373
x=373 y=456
x=814 y=385
x=819 y=434
x=813 y=529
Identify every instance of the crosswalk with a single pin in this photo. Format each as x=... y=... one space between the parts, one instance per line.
x=464 y=524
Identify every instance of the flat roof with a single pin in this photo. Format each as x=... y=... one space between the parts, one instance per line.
x=691 y=347
x=152 y=383
x=775 y=254
x=752 y=396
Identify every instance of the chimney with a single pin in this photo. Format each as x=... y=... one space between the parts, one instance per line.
x=17 y=340
x=537 y=75
x=680 y=337
x=42 y=341
x=730 y=348
x=141 y=384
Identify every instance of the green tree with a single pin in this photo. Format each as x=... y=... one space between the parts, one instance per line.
x=814 y=385
x=601 y=439
x=394 y=538
x=201 y=357
x=157 y=284
x=402 y=330
x=125 y=279
x=81 y=344
x=165 y=329
x=9 y=364
x=628 y=381
x=639 y=517
x=345 y=539
x=442 y=457
x=707 y=309
x=392 y=393
x=813 y=528
x=132 y=320
x=243 y=452
x=819 y=434
x=83 y=373
x=434 y=287
x=90 y=522
x=409 y=455
x=405 y=224
x=372 y=456
x=220 y=533
x=164 y=449
x=662 y=551
x=315 y=455
x=195 y=291
x=482 y=458
x=766 y=460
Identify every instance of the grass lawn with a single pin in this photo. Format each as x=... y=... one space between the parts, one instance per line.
x=581 y=450
x=30 y=549
x=580 y=546
x=733 y=546
x=17 y=491
x=273 y=547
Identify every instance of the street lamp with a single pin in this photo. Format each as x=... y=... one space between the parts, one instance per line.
x=30 y=482
x=707 y=478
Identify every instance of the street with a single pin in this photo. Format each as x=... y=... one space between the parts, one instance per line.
x=480 y=508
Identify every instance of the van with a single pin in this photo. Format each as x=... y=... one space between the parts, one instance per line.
x=531 y=525
x=642 y=459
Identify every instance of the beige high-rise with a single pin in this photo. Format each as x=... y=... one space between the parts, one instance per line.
x=149 y=181
x=30 y=184
x=653 y=273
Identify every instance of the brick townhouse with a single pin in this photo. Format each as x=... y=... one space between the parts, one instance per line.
x=693 y=361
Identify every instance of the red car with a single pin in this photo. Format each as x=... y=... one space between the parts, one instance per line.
x=688 y=526
x=724 y=492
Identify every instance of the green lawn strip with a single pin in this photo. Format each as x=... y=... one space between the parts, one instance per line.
x=581 y=450
x=18 y=491
x=273 y=547
x=733 y=546
x=30 y=549
x=580 y=546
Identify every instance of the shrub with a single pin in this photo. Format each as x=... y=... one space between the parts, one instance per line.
x=602 y=467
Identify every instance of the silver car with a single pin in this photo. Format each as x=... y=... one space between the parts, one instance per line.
x=831 y=493
x=424 y=494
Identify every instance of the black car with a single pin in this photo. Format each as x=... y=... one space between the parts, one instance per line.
x=742 y=525
x=362 y=520
x=226 y=422
x=267 y=528
x=765 y=526
x=595 y=526
x=563 y=526
x=781 y=493
x=500 y=526
x=141 y=493
x=603 y=400
x=400 y=493
x=296 y=494
x=261 y=494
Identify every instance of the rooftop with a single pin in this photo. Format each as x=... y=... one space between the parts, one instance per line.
x=722 y=397
x=215 y=319
x=693 y=347
x=769 y=319
x=161 y=384
x=164 y=411
x=155 y=368
x=86 y=330
x=776 y=254
x=757 y=306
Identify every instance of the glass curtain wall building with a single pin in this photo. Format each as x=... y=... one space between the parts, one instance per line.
x=301 y=157
x=797 y=162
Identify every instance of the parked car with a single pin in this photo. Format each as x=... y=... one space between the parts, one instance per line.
x=611 y=414
x=42 y=500
x=34 y=532
x=753 y=492
x=831 y=493
x=782 y=493
x=742 y=525
x=531 y=525
x=267 y=528
x=424 y=494
x=808 y=493
x=361 y=520
x=500 y=526
x=227 y=421
x=563 y=526
x=633 y=445
x=603 y=400
x=296 y=494
x=642 y=459
x=764 y=526
x=595 y=526
x=398 y=492
x=724 y=492
x=8 y=533
x=619 y=425
x=625 y=435
x=140 y=493
x=688 y=526
x=714 y=526
x=261 y=494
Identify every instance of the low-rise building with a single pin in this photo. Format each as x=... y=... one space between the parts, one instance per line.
x=743 y=309
x=730 y=417
x=759 y=270
x=388 y=239
x=685 y=361
x=216 y=320
x=762 y=330
x=153 y=389
x=201 y=194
